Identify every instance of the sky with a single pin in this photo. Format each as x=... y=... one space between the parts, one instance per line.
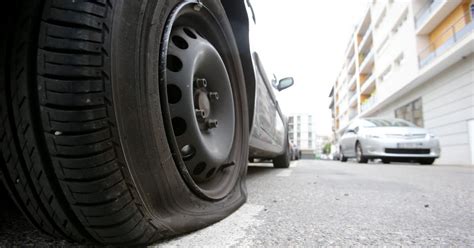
x=306 y=39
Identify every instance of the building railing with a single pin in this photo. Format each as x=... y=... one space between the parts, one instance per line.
x=363 y=58
x=354 y=96
x=426 y=12
x=366 y=37
x=352 y=80
x=350 y=63
x=445 y=41
x=350 y=45
x=367 y=79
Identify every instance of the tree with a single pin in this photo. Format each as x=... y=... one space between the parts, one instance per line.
x=327 y=148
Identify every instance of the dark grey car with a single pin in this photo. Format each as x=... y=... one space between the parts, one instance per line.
x=269 y=133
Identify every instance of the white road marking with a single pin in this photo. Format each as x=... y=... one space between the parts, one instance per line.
x=294 y=164
x=233 y=230
x=284 y=173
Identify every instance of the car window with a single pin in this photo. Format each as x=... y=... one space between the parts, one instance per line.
x=387 y=123
x=353 y=125
x=365 y=123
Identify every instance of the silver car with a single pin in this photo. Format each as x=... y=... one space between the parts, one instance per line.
x=389 y=140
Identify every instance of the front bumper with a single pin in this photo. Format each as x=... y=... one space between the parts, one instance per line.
x=401 y=148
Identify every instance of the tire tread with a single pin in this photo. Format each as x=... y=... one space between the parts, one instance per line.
x=67 y=122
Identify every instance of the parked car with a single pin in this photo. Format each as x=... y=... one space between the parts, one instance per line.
x=295 y=151
x=269 y=133
x=125 y=122
x=388 y=140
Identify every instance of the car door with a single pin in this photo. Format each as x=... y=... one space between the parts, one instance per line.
x=268 y=132
x=350 y=137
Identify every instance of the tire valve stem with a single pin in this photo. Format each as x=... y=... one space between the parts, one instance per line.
x=211 y=124
x=198 y=6
x=200 y=115
x=201 y=83
x=214 y=96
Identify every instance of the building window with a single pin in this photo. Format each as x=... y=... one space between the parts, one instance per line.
x=385 y=74
x=399 y=24
x=382 y=46
x=412 y=112
x=310 y=144
x=399 y=60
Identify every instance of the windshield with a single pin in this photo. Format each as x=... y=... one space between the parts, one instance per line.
x=386 y=123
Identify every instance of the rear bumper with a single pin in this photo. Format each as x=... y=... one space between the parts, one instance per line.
x=401 y=148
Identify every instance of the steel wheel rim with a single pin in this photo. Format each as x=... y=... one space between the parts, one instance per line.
x=199 y=102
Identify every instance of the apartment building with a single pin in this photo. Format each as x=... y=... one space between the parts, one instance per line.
x=302 y=132
x=412 y=60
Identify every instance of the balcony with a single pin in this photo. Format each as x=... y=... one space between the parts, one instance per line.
x=351 y=66
x=369 y=80
x=432 y=14
x=369 y=102
x=366 y=59
x=352 y=83
x=366 y=40
x=353 y=98
x=445 y=41
x=350 y=49
x=425 y=12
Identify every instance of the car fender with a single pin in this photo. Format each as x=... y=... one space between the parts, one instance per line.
x=239 y=17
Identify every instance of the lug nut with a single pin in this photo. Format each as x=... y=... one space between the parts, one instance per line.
x=211 y=124
x=201 y=83
x=214 y=96
x=200 y=115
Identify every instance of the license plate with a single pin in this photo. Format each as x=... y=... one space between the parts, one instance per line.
x=410 y=145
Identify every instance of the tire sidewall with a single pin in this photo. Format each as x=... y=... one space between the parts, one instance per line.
x=167 y=199
x=360 y=158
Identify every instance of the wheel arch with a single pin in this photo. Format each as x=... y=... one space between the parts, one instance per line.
x=237 y=14
x=357 y=141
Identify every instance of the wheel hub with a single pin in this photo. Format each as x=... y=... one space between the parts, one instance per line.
x=202 y=107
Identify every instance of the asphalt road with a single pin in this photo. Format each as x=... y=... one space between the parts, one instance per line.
x=325 y=203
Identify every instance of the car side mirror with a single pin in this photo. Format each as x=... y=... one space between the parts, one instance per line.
x=285 y=83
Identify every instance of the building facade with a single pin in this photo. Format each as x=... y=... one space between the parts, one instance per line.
x=412 y=60
x=302 y=132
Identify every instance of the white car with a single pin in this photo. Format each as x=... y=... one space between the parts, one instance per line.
x=389 y=140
